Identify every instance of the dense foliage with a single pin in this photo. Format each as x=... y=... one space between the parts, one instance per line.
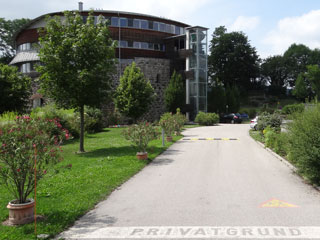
x=78 y=61
x=269 y=120
x=7 y=30
x=27 y=148
x=140 y=135
x=174 y=95
x=207 y=119
x=232 y=60
x=134 y=93
x=15 y=89
x=305 y=143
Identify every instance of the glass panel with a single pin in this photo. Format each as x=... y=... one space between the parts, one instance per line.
x=202 y=76
x=168 y=28
x=202 y=104
x=130 y=22
x=193 y=89
x=144 y=45
x=144 y=24
x=123 y=44
x=156 y=26
x=157 y=46
x=162 y=47
x=130 y=44
x=150 y=25
x=202 y=89
x=136 y=23
x=114 y=22
x=151 y=46
x=136 y=44
x=162 y=27
x=123 y=22
x=177 y=30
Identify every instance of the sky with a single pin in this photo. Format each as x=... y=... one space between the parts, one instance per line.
x=270 y=25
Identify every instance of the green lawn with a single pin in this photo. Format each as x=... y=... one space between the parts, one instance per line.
x=79 y=182
x=256 y=135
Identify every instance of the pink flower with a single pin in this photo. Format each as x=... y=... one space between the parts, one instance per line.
x=17 y=117
x=34 y=145
x=44 y=171
x=18 y=170
x=67 y=136
x=4 y=145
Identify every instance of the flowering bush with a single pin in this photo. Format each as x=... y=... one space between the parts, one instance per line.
x=167 y=122
x=140 y=135
x=178 y=121
x=23 y=142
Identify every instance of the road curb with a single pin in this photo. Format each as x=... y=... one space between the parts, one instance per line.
x=288 y=164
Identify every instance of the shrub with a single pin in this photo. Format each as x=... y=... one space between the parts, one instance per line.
x=140 y=135
x=266 y=119
x=207 y=119
x=167 y=122
x=293 y=108
x=305 y=143
x=18 y=144
x=179 y=121
x=277 y=141
x=93 y=120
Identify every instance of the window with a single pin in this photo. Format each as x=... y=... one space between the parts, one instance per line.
x=156 y=26
x=123 y=22
x=150 y=24
x=24 y=47
x=162 y=27
x=130 y=44
x=157 y=46
x=136 y=23
x=114 y=22
x=158 y=78
x=177 y=30
x=25 y=68
x=144 y=24
x=162 y=47
x=136 y=44
x=84 y=19
x=144 y=45
x=130 y=22
x=151 y=46
x=168 y=28
x=123 y=44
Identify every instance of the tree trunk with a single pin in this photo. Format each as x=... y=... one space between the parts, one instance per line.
x=81 y=129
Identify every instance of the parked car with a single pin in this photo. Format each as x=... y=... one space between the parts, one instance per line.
x=231 y=118
x=253 y=123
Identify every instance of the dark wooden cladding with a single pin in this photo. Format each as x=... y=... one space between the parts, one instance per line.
x=131 y=53
x=138 y=35
x=27 y=36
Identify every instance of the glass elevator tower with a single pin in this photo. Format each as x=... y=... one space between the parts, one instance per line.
x=197 y=66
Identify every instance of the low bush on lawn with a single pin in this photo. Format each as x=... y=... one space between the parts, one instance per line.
x=207 y=119
x=305 y=143
x=273 y=121
x=293 y=108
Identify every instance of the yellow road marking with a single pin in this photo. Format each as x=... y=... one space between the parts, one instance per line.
x=275 y=203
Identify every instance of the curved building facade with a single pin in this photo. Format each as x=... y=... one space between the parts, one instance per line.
x=157 y=45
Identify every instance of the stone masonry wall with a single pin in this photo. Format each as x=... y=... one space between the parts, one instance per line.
x=157 y=71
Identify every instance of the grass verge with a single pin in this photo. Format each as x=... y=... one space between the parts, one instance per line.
x=256 y=135
x=75 y=185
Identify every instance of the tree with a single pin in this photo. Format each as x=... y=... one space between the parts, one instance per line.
x=301 y=88
x=232 y=60
x=78 y=59
x=7 y=30
x=14 y=89
x=297 y=57
x=273 y=71
x=313 y=76
x=217 y=99
x=174 y=95
x=233 y=99
x=134 y=93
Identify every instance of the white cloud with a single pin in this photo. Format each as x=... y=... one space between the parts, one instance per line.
x=303 y=29
x=179 y=10
x=245 y=24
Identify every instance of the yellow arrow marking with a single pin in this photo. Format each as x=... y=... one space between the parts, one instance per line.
x=275 y=203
